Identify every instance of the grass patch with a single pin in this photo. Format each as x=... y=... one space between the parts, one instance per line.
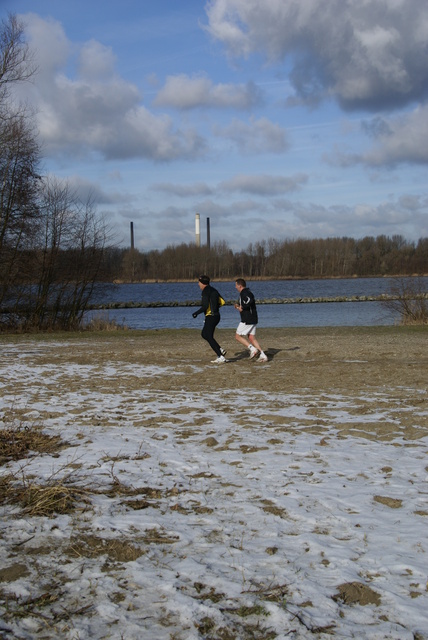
x=56 y=496
x=102 y=322
x=91 y=546
x=17 y=442
x=44 y=610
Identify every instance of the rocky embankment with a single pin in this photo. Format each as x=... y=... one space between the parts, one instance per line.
x=196 y=303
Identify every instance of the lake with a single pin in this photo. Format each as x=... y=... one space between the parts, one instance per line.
x=270 y=315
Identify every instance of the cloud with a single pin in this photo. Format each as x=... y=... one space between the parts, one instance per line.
x=183 y=190
x=231 y=210
x=96 y=61
x=259 y=136
x=363 y=219
x=368 y=55
x=51 y=45
x=96 y=111
x=402 y=140
x=87 y=190
x=261 y=185
x=184 y=92
x=399 y=140
x=413 y=202
x=244 y=221
x=264 y=185
x=288 y=219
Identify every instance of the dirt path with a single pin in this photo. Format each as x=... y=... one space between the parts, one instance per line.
x=353 y=362
x=329 y=359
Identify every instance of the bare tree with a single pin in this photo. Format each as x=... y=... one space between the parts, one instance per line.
x=19 y=157
x=16 y=60
x=19 y=183
x=65 y=260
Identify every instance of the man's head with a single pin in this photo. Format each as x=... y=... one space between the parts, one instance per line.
x=203 y=281
x=240 y=284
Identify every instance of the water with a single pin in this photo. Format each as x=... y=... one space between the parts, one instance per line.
x=270 y=315
x=184 y=291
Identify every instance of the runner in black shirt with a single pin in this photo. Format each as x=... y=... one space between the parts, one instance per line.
x=246 y=331
x=210 y=304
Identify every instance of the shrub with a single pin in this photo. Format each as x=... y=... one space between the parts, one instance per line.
x=410 y=299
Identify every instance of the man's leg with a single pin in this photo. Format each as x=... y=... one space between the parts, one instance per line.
x=243 y=332
x=242 y=339
x=255 y=343
x=257 y=348
x=208 y=333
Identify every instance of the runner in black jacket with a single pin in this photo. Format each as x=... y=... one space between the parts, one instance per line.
x=210 y=305
x=246 y=331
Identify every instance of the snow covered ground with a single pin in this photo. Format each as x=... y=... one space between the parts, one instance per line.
x=237 y=514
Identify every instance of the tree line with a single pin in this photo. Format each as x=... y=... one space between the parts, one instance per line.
x=293 y=258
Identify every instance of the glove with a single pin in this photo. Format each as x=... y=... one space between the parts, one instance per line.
x=195 y=315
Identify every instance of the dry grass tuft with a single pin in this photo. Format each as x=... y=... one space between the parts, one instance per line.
x=117 y=550
x=57 y=495
x=39 y=500
x=18 y=442
x=102 y=322
x=159 y=536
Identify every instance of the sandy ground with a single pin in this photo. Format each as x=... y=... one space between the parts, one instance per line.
x=349 y=361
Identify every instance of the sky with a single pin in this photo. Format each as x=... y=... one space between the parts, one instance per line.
x=217 y=511
x=284 y=119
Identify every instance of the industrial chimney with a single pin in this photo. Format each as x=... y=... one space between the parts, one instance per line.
x=132 y=253
x=198 y=230
x=132 y=236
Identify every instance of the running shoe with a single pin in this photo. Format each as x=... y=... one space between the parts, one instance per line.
x=263 y=358
x=253 y=352
x=219 y=360
x=223 y=351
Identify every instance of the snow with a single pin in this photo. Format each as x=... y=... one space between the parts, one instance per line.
x=272 y=509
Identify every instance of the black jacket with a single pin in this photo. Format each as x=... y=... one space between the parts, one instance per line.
x=210 y=303
x=248 y=304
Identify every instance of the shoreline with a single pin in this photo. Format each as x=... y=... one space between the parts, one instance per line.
x=384 y=297
x=270 y=278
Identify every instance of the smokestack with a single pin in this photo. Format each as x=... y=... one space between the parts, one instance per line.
x=198 y=230
x=208 y=234
x=132 y=236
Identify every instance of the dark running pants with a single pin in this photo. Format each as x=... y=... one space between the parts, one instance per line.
x=207 y=332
